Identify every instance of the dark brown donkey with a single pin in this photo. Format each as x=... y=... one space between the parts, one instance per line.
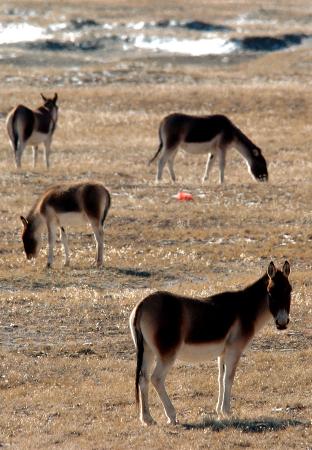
x=66 y=204
x=32 y=127
x=207 y=135
x=166 y=327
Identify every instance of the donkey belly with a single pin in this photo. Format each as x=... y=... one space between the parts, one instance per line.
x=200 y=352
x=200 y=148
x=36 y=138
x=72 y=218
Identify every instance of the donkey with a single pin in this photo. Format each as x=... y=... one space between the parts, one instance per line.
x=212 y=135
x=32 y=127
x=65 y=204
x=167 y=327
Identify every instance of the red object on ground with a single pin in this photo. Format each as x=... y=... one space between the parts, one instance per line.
x=184 y=196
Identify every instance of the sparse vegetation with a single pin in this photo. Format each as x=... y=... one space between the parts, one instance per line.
x=67 y=359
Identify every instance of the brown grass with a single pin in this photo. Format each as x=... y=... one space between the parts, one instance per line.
x=67 y=360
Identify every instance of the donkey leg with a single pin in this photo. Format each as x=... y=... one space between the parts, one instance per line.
x=65 y=246
x=51 y=241
x=231 y=359
x=148 y=359
x=99 y=237
x=222 y=153
x=171 y=170
x=35 y=155
x=158 y=380
x=160 y=167
x=170 y=165
x=167 y=156
x=47 y=149
x=209 y=164
x=221 y=384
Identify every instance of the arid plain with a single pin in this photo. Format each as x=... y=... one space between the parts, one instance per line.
x=67 y=361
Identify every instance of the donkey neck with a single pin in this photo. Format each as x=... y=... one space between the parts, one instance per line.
x=256 y=298
x=211 y=319
x=258 y=289
x=244 y=145
x=48 y=113
x=45 y=110
x=35 y=219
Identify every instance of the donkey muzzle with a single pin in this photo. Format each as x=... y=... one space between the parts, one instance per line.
x=281 y=327
x=263 y=178
x=282 y=320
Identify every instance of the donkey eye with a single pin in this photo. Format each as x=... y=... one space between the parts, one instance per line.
x=272 y=295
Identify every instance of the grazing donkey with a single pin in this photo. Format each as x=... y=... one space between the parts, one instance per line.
x=28 y=127
x=167 y=327
x=66 y=204
x=212 y=135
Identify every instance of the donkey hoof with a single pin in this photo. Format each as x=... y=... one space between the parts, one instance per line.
x=223 y=415
x=172 y=421
x=148 y=421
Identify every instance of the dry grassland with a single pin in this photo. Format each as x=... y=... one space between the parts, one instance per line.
x=67 y=360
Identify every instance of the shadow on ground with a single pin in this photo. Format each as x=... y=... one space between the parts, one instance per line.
x=246 y=426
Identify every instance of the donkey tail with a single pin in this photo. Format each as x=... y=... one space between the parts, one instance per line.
x=15 y=133
x=20 y=124
x=158 y=150
x=12 y=128
x=140 y=351
x=107 y=206
x=139 y=343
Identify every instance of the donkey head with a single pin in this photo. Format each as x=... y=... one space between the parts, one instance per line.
x=30 y=240
x=50 y=103
x=258 y=165
x=279 y=292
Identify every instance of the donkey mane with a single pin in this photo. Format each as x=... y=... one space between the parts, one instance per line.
x=245 y=139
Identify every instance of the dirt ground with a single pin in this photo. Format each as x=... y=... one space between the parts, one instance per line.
x=67 y=361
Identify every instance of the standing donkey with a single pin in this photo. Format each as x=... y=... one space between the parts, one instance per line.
x=167 y=327
x=62 y=205
x=32 y=127
x=212 y=135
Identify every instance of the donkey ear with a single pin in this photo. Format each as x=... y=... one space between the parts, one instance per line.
x=24 y=221
x=55 y=98
x=286 y=269
x=256 y=151
x=271 y=270
x=43 y=97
